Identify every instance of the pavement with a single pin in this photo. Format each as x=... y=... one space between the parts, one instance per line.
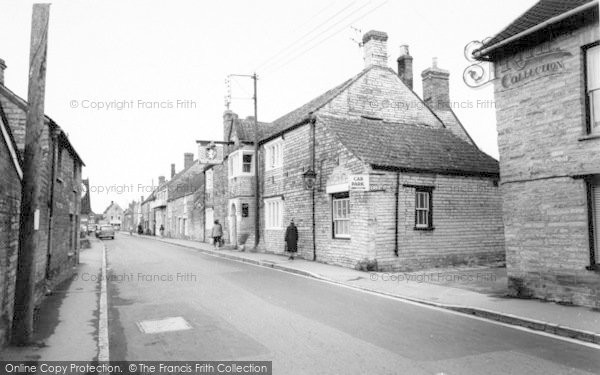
x=66 y=323
x=476 y=291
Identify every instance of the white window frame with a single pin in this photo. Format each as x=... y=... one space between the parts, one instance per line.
x=274 y=154
x=423 y=202
x=274 y=208
x=235 y=164
x=592 y=56
x=340 y=217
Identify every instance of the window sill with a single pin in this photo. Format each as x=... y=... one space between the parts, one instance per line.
x=342 y=238
x=588 y=137
x=428 y=229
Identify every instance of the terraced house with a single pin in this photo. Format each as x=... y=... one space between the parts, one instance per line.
x=59 y=217
x=370 y=173
x=547 y=88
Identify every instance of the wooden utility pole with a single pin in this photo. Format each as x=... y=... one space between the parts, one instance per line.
x=31 y=198
x=256 y=165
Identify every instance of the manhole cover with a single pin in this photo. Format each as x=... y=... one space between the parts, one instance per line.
x=163 y=325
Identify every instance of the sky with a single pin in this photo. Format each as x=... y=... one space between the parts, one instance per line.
x=134 y=84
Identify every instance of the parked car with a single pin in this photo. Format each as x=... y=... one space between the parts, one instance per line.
x=106 y=231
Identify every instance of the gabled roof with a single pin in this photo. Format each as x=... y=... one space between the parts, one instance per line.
x=409 y=147
x=111 y=205
x=23 y=105
x=185 y=182
x=299 y=114
x=244 y=129
x=11 y=144
x=542 y=14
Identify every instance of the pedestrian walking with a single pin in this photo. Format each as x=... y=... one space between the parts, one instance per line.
x=291 y=239
x=162 y=230
x=131 y=230
x=140 y=230
x=217 y=234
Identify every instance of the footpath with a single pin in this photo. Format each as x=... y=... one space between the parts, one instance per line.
x=67 y=321
x=479 y=291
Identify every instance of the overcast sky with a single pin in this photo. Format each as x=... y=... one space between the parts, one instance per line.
x=170 y=51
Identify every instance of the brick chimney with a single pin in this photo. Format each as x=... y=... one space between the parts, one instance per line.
x=161 y=180
x=228 y=118
x=375 y=48
x=2 y=67
x=405 y=66
x=188 y=160
x=436 y=90
x=172 y=170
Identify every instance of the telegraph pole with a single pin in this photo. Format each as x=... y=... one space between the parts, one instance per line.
x=31 y=197
x=256 y=178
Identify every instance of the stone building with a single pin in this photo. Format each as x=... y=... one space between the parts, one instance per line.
x=399 y=183
x=113 y=215
x=547 y=91
x=59 y=218
x=181 y=223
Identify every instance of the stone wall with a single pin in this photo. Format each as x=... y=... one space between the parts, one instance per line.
x=10 y=204
x=543 y=148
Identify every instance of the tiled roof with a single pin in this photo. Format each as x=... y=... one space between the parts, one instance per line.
x=410 y=147
x=542 y=11
x=296 y=116
x=245 y=129
x=184 y=183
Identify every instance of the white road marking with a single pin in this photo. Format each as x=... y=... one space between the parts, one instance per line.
x=103 y=348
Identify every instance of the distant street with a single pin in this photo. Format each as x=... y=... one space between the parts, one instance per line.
x=237 y=311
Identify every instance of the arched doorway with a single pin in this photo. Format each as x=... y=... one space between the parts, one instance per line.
x=233 y=225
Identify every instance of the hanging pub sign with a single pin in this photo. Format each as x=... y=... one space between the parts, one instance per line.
x=210 y=153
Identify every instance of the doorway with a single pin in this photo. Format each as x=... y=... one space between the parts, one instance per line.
x=233 y=225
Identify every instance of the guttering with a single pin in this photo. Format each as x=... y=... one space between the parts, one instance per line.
x=482 y=54
x=436 y=171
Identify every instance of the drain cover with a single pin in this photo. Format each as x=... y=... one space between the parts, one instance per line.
x=163 y=325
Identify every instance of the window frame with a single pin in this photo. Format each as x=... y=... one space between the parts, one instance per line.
x=235 y=163
x=588 y=105
x=419 y=190
x=272 y=205
x=593 y=182
x=335 y=198
x=274 y=154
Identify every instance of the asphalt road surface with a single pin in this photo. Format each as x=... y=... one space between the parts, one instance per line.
x=236 y=311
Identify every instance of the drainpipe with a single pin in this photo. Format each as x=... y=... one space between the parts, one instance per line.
x=396 y=212
x=312 y=157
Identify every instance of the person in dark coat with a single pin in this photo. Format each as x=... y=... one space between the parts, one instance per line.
x=217 y=234
x=291 y=239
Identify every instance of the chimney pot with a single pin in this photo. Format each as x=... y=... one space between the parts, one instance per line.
x=2 y=67
x=405 y=66
x=434 y=62
x=172 y=170
x=375 y=48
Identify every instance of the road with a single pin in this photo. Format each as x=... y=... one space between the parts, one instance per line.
x=238 y=311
